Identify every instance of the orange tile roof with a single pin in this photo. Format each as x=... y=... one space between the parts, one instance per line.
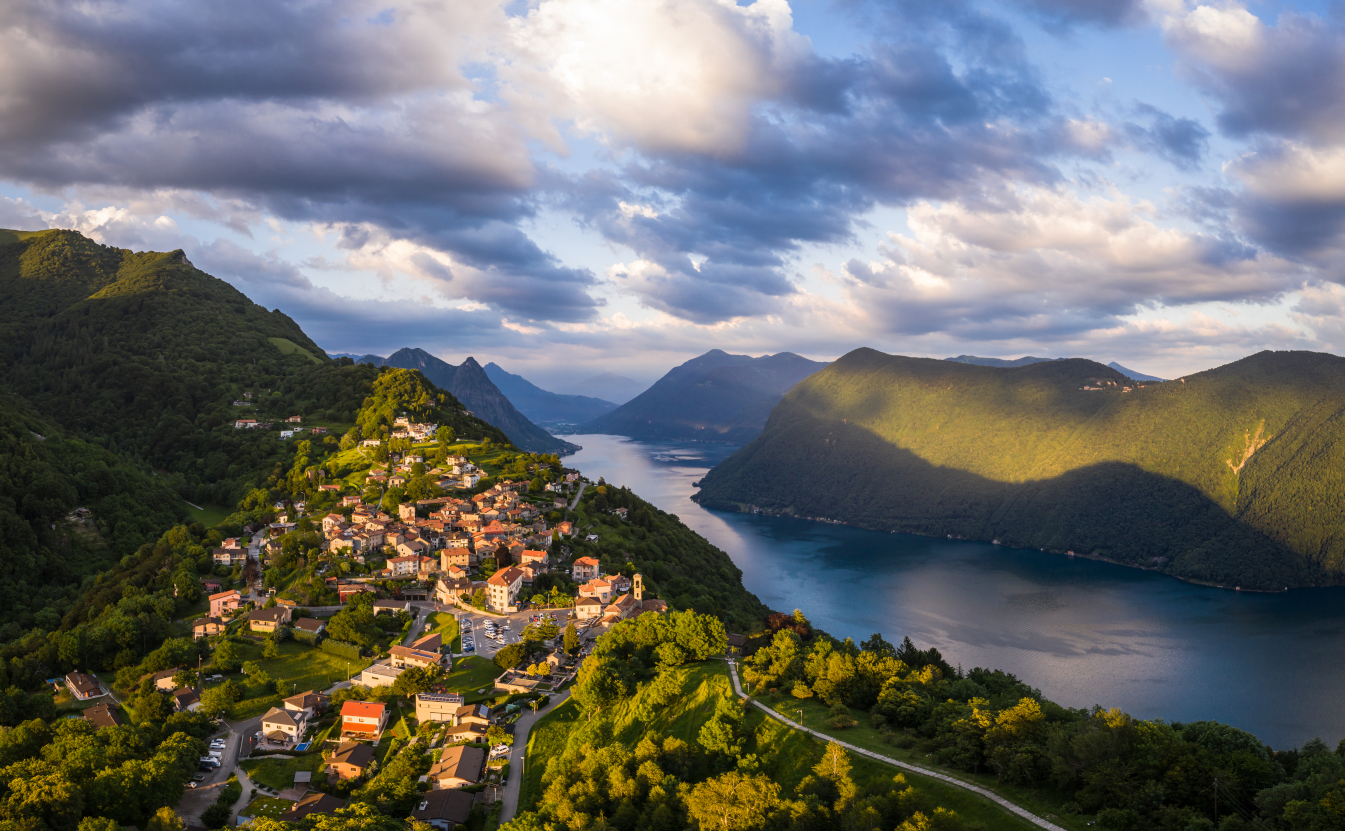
x=362 y=709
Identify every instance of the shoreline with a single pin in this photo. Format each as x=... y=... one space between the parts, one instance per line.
x=754 y=510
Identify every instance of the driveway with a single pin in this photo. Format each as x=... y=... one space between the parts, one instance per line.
x=514 y=786
x=239 y=743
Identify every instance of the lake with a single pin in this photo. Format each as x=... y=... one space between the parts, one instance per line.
x=1081 y=631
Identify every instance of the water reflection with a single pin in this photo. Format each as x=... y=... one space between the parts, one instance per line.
x=1084 y=632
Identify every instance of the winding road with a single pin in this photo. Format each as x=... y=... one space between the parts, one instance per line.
x=512 y=788
x=923 y=771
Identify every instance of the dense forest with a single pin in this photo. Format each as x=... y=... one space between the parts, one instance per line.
x=1232 y=476
x=1126 y=774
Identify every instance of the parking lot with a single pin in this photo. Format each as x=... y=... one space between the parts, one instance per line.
x=485 y=646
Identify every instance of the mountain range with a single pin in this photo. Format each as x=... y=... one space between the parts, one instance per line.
x=470 y=384
x=716 y=397
x=972 y=359
x=1233 y=476
x=545 y=407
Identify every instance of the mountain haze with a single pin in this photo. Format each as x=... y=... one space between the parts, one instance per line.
x=716 y=397
x=470 y=385
x=1234 y=476
x=1130 y=373
x=975 y=361
x=607 y=386
x=545 y=407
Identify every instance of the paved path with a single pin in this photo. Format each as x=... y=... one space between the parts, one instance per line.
x=923 y=771
x=514 y=786
x=575 y=503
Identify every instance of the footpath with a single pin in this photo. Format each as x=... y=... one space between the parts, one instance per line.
x=923 y=771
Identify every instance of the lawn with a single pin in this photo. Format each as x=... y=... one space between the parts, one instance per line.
x=790 y=754
x=815 y=714
x=445 y=624
x=301 y=667
x=471 y=674
x=209 y=515
x=267 y=806
x=277 y=772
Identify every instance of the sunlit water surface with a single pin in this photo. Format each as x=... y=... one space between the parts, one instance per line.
x=1081 y=631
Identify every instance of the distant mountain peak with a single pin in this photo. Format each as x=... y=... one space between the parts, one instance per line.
x=977 y=361
x=1132 y=374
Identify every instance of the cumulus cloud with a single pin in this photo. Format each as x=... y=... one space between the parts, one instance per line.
x=1047 y=263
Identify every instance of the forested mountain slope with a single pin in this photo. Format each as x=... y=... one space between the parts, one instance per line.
x=145 y=354
x=470 y=385
x=1232 y=476
x=716 y=397
x=47 y=553
x=542 y=406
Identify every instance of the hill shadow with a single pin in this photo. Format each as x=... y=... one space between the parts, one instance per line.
x=1116 y=511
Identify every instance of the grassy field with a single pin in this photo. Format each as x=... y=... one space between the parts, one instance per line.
x=471 y=674
x=444 y=623
x=864 y=735
x=301 y=667
x=289 y=347
x=277 y=772
x=791 y=754
x=267 y=806
x=209 y=515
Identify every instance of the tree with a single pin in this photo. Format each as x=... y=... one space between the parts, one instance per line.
x=216 y=702
x=99 y=824
x=415 y=680
x=835 y=767
x=164 y=819
x=733 y=801
x=724 y=733
x=511 y=656
x=184 y=678
x=226 y=657
x=271 y=646
x=256 y=674
x=156 y=706
x=571 y=638
x=218 y=815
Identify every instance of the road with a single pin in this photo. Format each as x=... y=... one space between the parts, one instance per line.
x=514 y=786
x=579 y=493
x=923 y=771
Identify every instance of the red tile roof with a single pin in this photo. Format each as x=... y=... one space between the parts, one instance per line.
x=362 y=709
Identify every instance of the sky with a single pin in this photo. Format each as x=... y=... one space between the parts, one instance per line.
x=567 y=187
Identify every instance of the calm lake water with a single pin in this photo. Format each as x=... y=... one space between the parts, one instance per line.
x=1081 y=631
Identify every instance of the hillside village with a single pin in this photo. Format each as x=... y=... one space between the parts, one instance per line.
x=358 y=555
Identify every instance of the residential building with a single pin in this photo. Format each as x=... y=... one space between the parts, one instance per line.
x=405 y=656
x=444 y=810
x=429 y=643
x=587 y=608
x=268 y=620
x=446 y=590
x=83 y=687
x=458 y=767
x=350 y=760
x=185 y=700
x=315 y=802
x=502 y=590
x=407 y=512
x=283 y=726
x=451 y=558
x=537 y=559
x=363 y=719
x=225 y=603
x=585 y=568
x=380 y=675
x=310 y=703
x=465 y=733
x=391 y=607
x=230 y=557
x=347 y=590
x=207 y=626
x=472 y=714
x=102 y=715
x=441 y=707
x=405 y=565
x=598 y=588
x=310 y=626
x=163 y=680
